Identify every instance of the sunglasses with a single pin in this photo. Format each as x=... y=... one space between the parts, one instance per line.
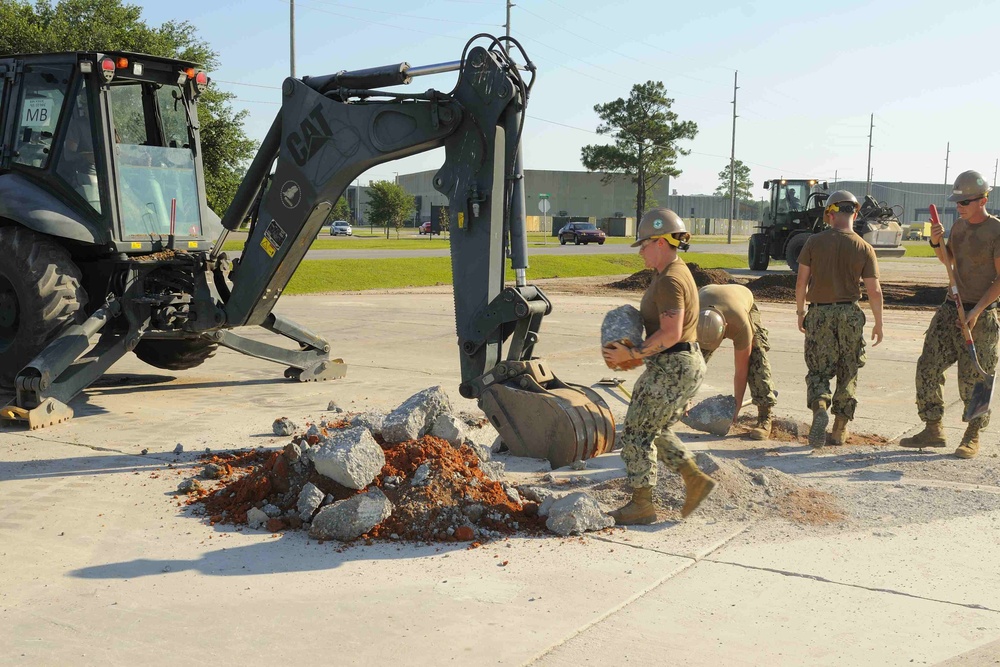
x=966 y=202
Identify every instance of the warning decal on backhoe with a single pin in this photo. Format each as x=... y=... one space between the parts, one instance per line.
x=274 y=236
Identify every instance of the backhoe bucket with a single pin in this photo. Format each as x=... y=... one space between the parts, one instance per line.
x=559 y=422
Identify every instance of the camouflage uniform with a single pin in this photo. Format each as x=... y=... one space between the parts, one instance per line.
x=835 y=347
x=659 y=399
x=943 y=346
x=759 y=373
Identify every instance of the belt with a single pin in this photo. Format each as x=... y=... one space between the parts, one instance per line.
x=681 y=347
x=835 y=303
x=970 y=306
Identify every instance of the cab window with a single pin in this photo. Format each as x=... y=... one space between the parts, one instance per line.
x=76 y=164
x=42 y=93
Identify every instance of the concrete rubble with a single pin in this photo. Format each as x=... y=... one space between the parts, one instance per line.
x=284 y=426
x=350 y=519
x=309 y=500
x=576 y=513
x=449 y=427
x=256 y=518
x=352 y=458
x=371 y=420
x=713 y=415
x=622 y=324
x=415 y=417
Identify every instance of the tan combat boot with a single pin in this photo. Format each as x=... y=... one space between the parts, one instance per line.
x=697 y=485
x=763 y=429
x=817 y=432
x=638 y=511
x=970 y=442
x=838 y=435
x=931 y=436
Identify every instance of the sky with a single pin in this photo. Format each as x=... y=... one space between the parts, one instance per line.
x=810 y=74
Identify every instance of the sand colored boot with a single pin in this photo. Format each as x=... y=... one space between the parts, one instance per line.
x=638 y=511
x=762 y=431
x=817 y=431
x=970 y=442
x=931 y=436
x=697 y=485
x=838 y=435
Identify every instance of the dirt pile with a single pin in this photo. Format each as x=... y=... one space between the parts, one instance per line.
x=741 y=494
x=638 y=282
x=780 y=287
x=439 y=492
x=773 y=287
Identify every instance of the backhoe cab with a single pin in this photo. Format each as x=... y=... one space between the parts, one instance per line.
x=106 y=234
x=795 y=210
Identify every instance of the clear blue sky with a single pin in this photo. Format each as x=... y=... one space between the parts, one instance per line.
x=810 y=73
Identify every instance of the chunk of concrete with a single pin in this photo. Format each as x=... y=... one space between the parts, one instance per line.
x=256 y=517
x=713 y=415
x=350 y=457
x=415 y=417
x=372 y=420
x=622 y=324
x=310 y=498
x=349 y=519
x=576 y=513
x=283 y=426
x=449 y=427
x=421 y=474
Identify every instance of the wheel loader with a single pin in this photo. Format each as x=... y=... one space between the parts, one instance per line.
x=796 y=210
x=107 y=245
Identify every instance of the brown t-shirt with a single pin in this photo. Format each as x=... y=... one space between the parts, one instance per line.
x=975 y=247
x=734 y=302
x=838 y=260
x=671 y=290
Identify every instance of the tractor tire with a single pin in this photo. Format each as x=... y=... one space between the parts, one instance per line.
x=175 y=354
x=792 y=250
x=757 y=256
x=40 y=295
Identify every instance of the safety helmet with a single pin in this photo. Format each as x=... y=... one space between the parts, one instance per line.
x=969 y=185
x=840 y=197
x=662 y=223
x=711 y=328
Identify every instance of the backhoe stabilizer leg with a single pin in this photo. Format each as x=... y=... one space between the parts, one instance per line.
x=49 y=412
x=306 y=365
x=539 y=416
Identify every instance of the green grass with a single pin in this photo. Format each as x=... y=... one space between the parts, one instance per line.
x=918 y=249
x=337 y=275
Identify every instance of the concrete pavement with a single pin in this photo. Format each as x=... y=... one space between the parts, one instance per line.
x=101 y=566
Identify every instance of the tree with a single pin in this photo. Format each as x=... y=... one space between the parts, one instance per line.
x=113 y=25
x=645 y=133
x=389 y=205
x=743 y=182
x=341 y=210
x=444 y=218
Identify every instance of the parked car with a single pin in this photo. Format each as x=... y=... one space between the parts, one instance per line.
x=581 y=232
x=426 y=229
x=341 y=227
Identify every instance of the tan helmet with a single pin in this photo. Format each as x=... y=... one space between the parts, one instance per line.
x=660 y=223
x=711 y=328
x=840 y=197
x=969 y=185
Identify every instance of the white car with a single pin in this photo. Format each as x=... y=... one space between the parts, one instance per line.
x=341 y=227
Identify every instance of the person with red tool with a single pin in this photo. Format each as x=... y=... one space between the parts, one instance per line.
x=973 y=250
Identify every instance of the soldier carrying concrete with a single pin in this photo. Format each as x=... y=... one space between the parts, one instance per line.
x=674 y=371
x=974 y=245
x=729 y=311
x=830 y=267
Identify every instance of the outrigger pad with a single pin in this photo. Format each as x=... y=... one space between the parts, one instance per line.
x=559 y=422
x=330 y=369
x=49 y=412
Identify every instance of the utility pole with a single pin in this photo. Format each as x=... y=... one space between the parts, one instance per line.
x=947 y=154
x=509 y=5
x=291 y=35
x=868 y=171
x=732 y=166
x=996 y=167
x=835 y=179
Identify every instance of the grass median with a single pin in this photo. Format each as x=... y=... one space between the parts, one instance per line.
x=348 y=275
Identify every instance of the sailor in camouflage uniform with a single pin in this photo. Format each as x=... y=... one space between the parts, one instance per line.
x=974 y=248
x=831 y=265
x=674 y=371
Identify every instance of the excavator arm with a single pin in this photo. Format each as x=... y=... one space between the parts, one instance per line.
x=333 y=128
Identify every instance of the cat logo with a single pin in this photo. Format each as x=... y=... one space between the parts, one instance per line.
x=291 y=194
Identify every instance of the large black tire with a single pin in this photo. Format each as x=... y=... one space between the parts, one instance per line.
x=757 y=256
x=576 y=240
x=40 y=295
x=562 y=241
x=792 y=250
x=175 y=355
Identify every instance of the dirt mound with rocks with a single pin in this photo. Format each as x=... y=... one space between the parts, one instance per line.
x=638 y=282
x=773 y=287
x=439 y=492
x=780 y=287
x=740 y=494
